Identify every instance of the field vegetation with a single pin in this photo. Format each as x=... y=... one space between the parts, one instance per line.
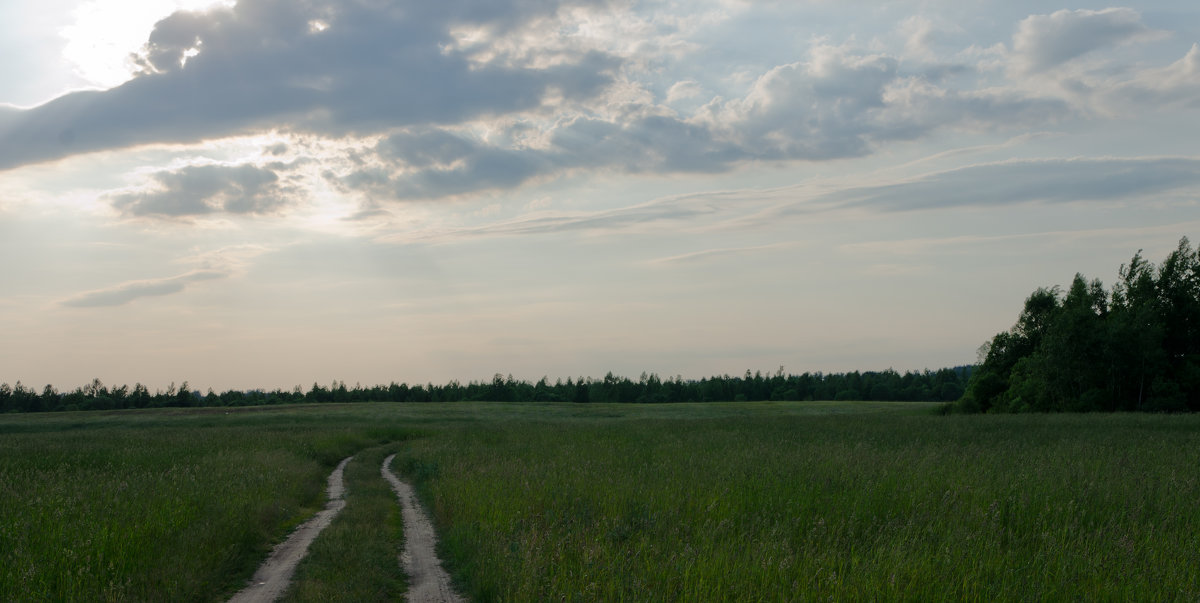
x=163 y=505
x=355 y=559
x=773 y=504
x=584 y=502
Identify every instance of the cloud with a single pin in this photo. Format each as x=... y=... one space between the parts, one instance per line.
x=651 y=214
x=213 y=264
x=1069 y=55
x=231 y=259
x=432 y=164
x=264 y=65
x=683 y=90
x=841 y=103
x=838 y=104
x=1129 y=237
x=1023 y=181
x=434 y=100
x=1177 y=83
x=440 y=163
x=199 y=190
x=920 y=34
x=605 y=220
x=124 y=293
x=1043 y=42
x=822 y=108
x=708 y=255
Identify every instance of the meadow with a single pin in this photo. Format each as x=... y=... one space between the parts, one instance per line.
x=738 y=501
x=160 y=505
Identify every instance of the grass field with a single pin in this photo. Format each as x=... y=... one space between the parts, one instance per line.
x=761 y=501
x=774 y=504
x=159 y=506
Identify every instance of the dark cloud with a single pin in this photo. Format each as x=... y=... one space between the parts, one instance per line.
x=651 y=143
x=431 y=163
x=1047 y=181
x=436 y=163
x=1046 y=41
x=396 y=69
x=321 y=66
x=205 y=189
x=126 y=292
x=839 y=104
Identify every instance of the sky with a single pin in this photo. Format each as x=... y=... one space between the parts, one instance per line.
x=269 y=193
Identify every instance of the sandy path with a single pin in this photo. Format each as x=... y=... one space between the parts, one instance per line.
x=273 y=576
x=427 y=581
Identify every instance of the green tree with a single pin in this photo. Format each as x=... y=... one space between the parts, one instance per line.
x=1137 y=348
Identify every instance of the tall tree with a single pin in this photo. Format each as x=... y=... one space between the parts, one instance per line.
x=1136 y=349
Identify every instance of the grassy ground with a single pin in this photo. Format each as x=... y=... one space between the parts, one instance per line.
x=356 y=559
x=783 y=505
x=159 y=506
x=760 y=501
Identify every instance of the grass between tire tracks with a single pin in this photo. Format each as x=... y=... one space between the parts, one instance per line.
x=356 y=557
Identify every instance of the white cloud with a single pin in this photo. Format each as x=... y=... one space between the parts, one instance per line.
x=839 y=103
x=709 y=255
x=683 y=90
x=126 y=292
x=1043 y=42
x=1030 y=180
x=1176 y=84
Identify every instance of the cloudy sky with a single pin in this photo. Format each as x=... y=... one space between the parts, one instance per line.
x=265 y=193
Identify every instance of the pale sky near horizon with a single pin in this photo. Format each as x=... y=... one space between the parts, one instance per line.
x=266 y=193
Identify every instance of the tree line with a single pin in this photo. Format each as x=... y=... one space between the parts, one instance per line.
x=1134 y=348
x=943 y=385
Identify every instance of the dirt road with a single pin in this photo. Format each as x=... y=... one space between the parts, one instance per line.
x=427 y=581
x=272 y=578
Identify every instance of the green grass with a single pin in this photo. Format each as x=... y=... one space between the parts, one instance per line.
x=357 y=557
x=158 y=506
x=780 y=505
x=749 y=501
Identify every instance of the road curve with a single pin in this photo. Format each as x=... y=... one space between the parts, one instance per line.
x=273 y=577
x=427 y=581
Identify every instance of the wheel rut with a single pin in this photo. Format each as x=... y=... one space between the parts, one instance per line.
x=274 y=575
x=428 y=582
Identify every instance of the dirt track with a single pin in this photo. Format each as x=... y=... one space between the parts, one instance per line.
x=272 y=578
x=427 y=581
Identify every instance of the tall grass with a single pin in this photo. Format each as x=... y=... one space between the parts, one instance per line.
x=790 y=507
x=165 y=506
x=760 y=501
x=357 y=558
